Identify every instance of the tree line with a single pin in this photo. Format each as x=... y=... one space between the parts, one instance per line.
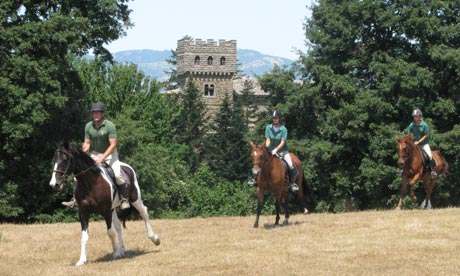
x=368 y=65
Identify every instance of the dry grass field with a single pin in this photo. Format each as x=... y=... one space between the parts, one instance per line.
x=364 y=243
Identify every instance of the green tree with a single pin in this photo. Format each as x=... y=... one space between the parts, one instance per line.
x=40 y=90
x=370 y=63
x=226 y=151
x=191 y=123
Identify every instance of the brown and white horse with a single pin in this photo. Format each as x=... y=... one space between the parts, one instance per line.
x=95 y=194
x=411 y=160
x=270 y=174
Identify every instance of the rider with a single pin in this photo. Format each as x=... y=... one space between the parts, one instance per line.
x=101 y=144
x=421 y=137
x=276 y=141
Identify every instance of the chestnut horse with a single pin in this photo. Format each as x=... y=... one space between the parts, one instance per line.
x=411 y=160
x=95 y=194
x=271 y=176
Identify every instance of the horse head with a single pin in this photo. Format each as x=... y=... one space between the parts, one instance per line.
x=404 y=148
x=62 y=165
x=259 y=155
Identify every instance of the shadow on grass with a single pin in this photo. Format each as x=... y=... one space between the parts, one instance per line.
x=271 y=226
x=129 y=254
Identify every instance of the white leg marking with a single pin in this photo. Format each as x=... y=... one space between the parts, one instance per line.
x=428 y=206
x=118 y=249
x=145 y=216
x=84 y=241
x=422 y=206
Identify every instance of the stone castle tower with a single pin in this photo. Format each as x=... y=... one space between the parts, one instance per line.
x=211 y=65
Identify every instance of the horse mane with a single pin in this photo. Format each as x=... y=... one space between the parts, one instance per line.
x=82 y=159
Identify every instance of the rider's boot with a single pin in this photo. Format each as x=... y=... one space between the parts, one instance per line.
x=433 y=169
x=292 y=176
x=123 y=190
x=71 y=204
x=252 y=182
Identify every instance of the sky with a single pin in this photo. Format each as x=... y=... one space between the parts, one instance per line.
x=271 y=27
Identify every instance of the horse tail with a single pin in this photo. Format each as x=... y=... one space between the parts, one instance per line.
x=308 y=192
x=445 y=169
x=126 y=213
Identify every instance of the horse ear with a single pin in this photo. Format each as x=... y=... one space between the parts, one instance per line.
x=66 y=145
x=397 y=138
x=252 y=144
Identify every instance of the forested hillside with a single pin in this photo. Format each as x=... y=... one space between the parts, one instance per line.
x=369 y=64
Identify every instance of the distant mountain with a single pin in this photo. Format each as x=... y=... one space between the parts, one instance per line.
x=153 y=62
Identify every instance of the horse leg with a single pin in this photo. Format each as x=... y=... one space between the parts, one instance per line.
x=429 y=191
x=260 y=203
x=412 y=186
x=286 y=208
x=403 y=193
x=278 y=210
x=118 y=249
x=145 y=216
x=84 y=220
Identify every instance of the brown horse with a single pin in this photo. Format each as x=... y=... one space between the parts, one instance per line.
x=95 y=194
x=271 y=176
x=411 y=160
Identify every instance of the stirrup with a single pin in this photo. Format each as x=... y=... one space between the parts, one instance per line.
x=124 y=204
x=294 y=187
x=252 y=182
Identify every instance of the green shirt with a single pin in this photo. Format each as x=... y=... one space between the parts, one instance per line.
x=419 y=131
x=276 y=137
x=99 y=137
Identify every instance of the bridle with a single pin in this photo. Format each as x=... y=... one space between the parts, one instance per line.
x=66 y=171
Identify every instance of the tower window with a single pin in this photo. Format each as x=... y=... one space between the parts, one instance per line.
x=222 y=61
x=209 y=60
x=209 y=90
x=197 y=60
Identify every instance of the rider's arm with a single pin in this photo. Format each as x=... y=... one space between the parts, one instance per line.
x=86 y=145
x=280 y=145
x=111 y=148
x=267 y=142
x=421 y=139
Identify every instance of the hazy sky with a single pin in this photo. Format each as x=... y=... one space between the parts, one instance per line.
x=273 y=27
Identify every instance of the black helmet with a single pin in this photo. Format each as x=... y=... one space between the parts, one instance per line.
x=417 y=112
x=97 y=107
x=277 y=113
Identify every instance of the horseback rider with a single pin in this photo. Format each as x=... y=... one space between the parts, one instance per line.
x=421 y=137
x=276 y=141
x=101 y=144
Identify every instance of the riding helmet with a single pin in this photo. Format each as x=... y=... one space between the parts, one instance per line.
x=417 y=112
x=97 y=107
x=277 y=113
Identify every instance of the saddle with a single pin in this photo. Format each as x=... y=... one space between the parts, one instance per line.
x=108 y=171
x=286 y=168
x=426 y=161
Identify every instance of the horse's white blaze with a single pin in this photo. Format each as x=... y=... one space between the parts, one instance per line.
x=53 y=177
x=255 y=153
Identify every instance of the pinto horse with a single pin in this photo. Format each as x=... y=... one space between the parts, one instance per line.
x=271 y=175
x=411 y=160
x=95 y=194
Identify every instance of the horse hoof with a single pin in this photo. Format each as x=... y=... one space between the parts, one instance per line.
x=305 y=211
x=285 y=222
x=256 y=225
x=118 y=255
x=155 y=239
x=80 y=263
x=398 y=208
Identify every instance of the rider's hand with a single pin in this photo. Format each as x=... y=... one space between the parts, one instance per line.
x=274 y=151
x=99 y=160
x=416 y=143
